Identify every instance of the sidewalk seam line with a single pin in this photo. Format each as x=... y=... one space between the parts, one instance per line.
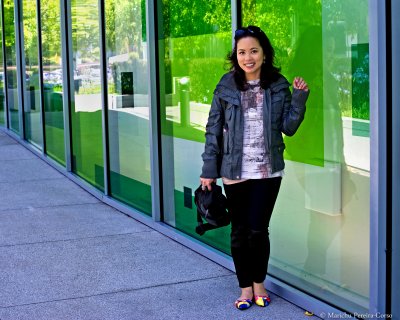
x=31 y=180
x=74 y=239
x=116 y=292
x=53 y=206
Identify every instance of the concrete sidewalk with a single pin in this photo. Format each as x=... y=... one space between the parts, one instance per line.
x=66 y=255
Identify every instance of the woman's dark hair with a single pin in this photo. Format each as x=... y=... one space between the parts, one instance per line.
x=269 y=72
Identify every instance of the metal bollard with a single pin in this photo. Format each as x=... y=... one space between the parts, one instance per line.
x=184 y=101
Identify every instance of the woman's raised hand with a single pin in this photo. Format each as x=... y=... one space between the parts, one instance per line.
x=299 y=83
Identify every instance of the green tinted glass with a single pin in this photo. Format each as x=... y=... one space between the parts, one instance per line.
x=324 y=250
x=195 y=38
x=52 y=79
x=32 y=121
x=11 y=63
x=128 y=109
x=86 y=110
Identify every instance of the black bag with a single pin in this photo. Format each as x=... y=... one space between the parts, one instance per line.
x=212 y=207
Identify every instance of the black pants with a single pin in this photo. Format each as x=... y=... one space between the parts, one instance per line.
x=251 y=204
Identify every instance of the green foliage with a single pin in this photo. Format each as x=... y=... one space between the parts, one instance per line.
x=30 y=33
x=51 y=31
x=85 y=29
x=124 y=19
x=9 y=31
x=182 y=18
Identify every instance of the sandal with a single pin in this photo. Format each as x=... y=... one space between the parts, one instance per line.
x=262 y=301
x=243 y=304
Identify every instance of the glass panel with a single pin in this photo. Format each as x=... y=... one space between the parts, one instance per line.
x=11 y=63
x=33 y=127
x=86 y=114
x=128 y=109
x=325 y=192
x=195 y=38
x=52 y=79
x=2 y=97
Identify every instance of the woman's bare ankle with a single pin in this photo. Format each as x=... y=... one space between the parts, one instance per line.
x=259 y=289
x=247 y=293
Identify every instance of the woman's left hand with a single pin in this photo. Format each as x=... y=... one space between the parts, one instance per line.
x=299 y=83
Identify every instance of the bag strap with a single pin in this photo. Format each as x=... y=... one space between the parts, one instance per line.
x=201 y=226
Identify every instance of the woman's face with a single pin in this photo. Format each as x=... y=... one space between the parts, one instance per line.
x=250 y=56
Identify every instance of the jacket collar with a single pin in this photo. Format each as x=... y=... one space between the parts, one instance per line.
x=226 y=89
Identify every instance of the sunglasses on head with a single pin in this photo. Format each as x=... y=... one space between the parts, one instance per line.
x=248 y=30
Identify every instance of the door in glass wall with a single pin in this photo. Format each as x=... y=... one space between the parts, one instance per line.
x=86 y=109
x=128 y=109
x=11 y=64
x=32 y=122
x=2 y=95
x=195 y=38
x=52 y=79
x=320 y=226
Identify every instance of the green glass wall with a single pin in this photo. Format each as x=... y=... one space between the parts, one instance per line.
x=11 y=64
x=86 y=109
x=320 y=226
x=32 y=122
x=195 y=38
x=2 y=97
x=128 y=109
x=52 y=79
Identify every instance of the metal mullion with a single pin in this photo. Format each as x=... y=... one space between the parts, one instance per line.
x=104 y=97
x=236 y=20
x=154 y=110
x=20 y=64
x=395 y=53
x=67 y=70
x=378 y=155
x=388 y=246
x=5 y=80
x=40 y=61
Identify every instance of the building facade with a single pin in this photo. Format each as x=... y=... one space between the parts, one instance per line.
x=116 y=95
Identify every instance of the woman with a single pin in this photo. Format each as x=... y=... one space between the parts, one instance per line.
x=251 y=108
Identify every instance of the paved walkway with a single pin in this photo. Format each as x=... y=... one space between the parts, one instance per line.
x=66 y=255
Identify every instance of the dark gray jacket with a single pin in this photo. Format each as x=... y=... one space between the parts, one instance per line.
x=283 y=113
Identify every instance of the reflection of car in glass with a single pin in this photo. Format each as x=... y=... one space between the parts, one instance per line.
x=12 y=78
x=53 y=77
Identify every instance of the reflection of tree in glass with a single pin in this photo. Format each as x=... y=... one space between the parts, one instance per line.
x=9 y=23
x=184 y=18
x=360 y=92
x=283 y=21
x=85 y=29
x=51 y=31
x=125 y=25
x=197 y=38
x=30 y=34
